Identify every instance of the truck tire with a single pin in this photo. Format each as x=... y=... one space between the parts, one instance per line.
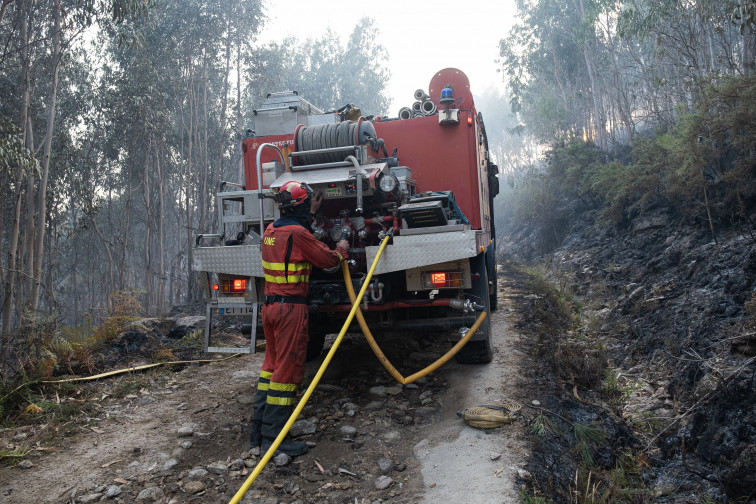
x=479 y=351
x=315 y=345
x=493 y=277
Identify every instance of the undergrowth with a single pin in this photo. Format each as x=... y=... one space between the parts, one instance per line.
x=571 y=347
x=39 y=349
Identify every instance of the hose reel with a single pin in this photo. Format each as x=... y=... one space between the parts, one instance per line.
x=331 y=136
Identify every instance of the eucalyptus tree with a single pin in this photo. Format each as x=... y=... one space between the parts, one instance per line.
x=324 y=70
x=614 y=67
x=36 y=38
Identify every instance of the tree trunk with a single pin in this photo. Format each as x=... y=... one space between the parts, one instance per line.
x=188 y=202
x=42 y=202
x=147 y=231
x=749 y=40
x=10 y=280
x=239 y=119
x=205 y=159
x=161 y=252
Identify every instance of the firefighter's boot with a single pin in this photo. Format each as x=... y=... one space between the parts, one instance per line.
x=278 y=409
x=261 y=398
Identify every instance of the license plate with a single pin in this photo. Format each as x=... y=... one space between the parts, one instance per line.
x=245 y=310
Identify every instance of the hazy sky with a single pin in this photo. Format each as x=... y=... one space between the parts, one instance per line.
x=421 y=37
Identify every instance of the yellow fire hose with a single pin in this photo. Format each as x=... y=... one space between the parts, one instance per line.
x=376 y=350
x=382 y=358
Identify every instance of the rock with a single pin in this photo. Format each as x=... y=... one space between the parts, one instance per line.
x=145 y=400
x=524 y=475
x=185 y=325
x=535 y=402
x=151 y=494
x=391 y=436
x=290 y=487
x=348 y=431
x=379 y=391
x=218 y=468
x=282 y=460
x=236 y=465
x=383 y=482
x=25 y=464
x=194 y=487
x=113 y=491
x=302 y=428
x=244 y=375
x=395 y=390
x=198 y=473
x=425 y=395
x=350 y=406
x=93 y=497
x=495 y=456
x=187 y=430
x=374 y=405
x=170 y=464
x=245 y=399
x=385 y=465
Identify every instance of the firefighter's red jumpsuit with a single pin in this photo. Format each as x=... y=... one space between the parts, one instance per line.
x=288 y=256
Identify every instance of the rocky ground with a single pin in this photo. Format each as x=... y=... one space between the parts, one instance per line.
x=179 y=434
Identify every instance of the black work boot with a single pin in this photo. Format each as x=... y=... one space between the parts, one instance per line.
x=261 y=396
x=279 y=407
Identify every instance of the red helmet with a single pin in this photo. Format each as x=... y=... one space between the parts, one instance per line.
x=292 y=194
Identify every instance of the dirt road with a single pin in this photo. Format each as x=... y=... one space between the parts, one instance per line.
x=172 y=436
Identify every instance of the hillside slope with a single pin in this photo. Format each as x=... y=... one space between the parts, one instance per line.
x=674 y=313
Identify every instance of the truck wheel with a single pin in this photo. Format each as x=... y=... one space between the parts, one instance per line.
x=315 y=345
x=493 y=277
x=479 y=351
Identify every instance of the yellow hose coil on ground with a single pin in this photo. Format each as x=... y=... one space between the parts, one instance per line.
x=490 y=416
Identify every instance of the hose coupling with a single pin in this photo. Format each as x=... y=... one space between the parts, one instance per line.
x=465 y=305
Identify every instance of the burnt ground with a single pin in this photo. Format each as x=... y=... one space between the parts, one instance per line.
x=671 y=315
x=178 y=434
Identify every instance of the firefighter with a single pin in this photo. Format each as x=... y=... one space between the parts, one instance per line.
x=289 y=252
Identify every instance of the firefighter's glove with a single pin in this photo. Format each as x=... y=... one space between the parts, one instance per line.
x=342 y=247
x=315 y=202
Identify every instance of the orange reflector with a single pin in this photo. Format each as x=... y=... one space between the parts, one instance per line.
x=469 y=120
x=239 y=284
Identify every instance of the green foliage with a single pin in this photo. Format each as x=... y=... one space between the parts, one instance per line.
x=325 y=72
x=702 y=166
x=526 y=498
x=587 y=437
x=14 y=156
x=543 y=424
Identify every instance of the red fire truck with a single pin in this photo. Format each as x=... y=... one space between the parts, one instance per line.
x=424 y=179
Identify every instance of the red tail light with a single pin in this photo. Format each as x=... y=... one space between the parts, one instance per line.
x=442 y=280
